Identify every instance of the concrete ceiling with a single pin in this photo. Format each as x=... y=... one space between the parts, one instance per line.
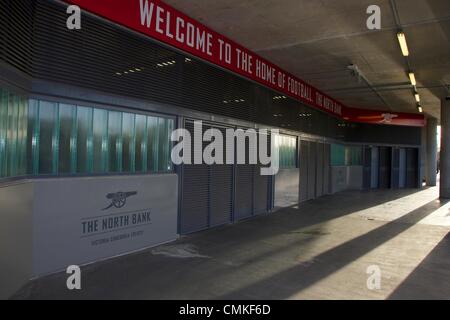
x=317 y=39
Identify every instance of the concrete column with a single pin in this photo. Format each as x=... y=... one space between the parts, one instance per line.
x=431 y=148
x=444 y=162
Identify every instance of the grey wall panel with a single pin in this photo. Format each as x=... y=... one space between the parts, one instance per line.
x=402 y=168
x=312 y=158
x=346 y=178
x=221 y=194
x=326 y=168
x=319 y=169
x=338 y=178
x=287 y=187
x=354 y=177
x=16 y=206
x=303 y=164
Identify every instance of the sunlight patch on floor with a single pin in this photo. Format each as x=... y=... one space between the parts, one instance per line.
x=395 y=209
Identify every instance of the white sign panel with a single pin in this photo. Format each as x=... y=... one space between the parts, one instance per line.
x=80 y=220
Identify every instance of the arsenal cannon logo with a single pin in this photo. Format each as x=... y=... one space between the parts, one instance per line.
x=119 y=199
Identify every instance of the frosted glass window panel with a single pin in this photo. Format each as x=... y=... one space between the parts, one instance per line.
x=115 y=141
x=129 y=142
x=84 y=140
x=3 y=131
x=47 y=144
x=152 y=150
x=100 y=140
x=141 y=143
x=67 y=132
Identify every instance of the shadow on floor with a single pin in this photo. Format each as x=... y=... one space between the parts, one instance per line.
x=301 y=277
x=429 y=279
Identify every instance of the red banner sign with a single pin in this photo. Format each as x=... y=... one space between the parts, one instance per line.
x=160 y=21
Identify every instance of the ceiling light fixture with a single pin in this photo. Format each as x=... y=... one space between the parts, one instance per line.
x=412 y=78
x=402 y=41
x=420 y=109
x=416 y=95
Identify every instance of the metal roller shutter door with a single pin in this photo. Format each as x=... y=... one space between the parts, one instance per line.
x=385 y=167
x=374 y=168
x=207 y=192
x=244 y=188
x=395 y=179
x=261 y=189
x=244 y=191
x=326 y=168
x=261 y=186
x=221 y=190
x=367 y=161
x=304 y=151
x=312 y=170
x=207 y=198
x=221 y=181
x=195 y=199
x=319 y=169
x=402 y=168
x=252 y=189
x=411 y=167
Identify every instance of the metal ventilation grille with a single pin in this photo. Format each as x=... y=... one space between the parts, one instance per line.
x=16 y=33
x=110 y=59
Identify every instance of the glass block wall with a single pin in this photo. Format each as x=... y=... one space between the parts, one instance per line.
x=342 y=155
x=49 y=138
x=13 y=134
x=287 y=147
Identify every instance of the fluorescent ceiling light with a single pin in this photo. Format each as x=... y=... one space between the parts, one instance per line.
x=420 y=109
x=417 y=97
x=402 y=40
x=412 y=78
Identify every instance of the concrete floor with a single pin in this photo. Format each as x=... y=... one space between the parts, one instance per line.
x=319 y=250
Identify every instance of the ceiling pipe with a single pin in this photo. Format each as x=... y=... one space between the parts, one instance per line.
x=357 y=73
x=387 y=87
